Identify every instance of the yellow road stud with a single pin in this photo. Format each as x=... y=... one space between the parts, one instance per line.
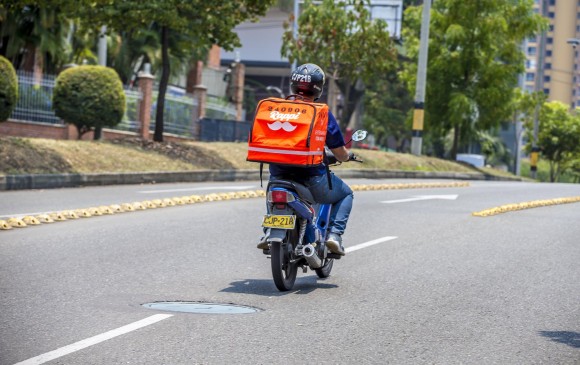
x=84 y=213
x=94 y=211
x=44 y=218
x=16 y=222
x=30 y=220
x=197 y=198
x=4 y=225
x=58 y=216
x=187 y=200
x=177 y=201
x=117 y=208
x=106 y=210
x=148 y=204
x=139 y=206
x=168 y=202
x=70 y=214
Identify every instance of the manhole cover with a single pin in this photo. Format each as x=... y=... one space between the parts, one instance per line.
x=197 y=307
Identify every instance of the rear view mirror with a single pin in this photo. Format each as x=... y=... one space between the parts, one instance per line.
x=359 y=135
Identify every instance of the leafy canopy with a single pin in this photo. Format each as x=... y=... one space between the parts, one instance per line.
x=341 y=37
x=89 y=97
x=474 y=60
x=558 y=136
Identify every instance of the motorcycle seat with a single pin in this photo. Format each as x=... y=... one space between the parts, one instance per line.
x=302 y=190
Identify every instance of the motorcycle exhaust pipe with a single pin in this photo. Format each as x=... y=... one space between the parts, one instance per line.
x=309 y=253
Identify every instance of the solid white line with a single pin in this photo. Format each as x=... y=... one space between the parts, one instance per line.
x=41 y=359
x=198 y=189
x=422 y=197
x=369 y=243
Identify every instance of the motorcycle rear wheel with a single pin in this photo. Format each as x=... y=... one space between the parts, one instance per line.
x=283 y=270
x=324 y=271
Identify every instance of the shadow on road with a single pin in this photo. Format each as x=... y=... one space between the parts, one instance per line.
x=266 y=287
x=566 y=337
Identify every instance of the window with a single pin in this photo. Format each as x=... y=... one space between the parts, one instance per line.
x=550 y=40
x=552 y=2
x=547 y=91
x=547 y=78
x=548 y=66
x=551 y=14
x=549 y=53
x=530 y=76
x=532 y=51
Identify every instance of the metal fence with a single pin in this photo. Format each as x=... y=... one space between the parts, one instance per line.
x=213 y=130
x=179 y=115
x=180 y=111
x=35 y=99
x=130 y=121
x=218 y=108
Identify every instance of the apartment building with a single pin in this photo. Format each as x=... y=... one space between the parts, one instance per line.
x=558 y=52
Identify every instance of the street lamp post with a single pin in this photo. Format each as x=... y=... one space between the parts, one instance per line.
x=419 y=113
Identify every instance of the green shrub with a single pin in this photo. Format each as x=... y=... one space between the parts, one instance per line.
x=8 y=89
x=90 y=97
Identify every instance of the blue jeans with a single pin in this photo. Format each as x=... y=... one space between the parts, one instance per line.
x=340 y=197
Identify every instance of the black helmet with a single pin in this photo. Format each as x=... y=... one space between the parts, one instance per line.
x=307 y=80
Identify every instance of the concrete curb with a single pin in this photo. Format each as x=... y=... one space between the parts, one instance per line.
x=53 y=181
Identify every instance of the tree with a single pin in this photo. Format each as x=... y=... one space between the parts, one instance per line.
x=89 y=97
x=558 y=136
x=341 y=37
x=8 y=89
x=387 y=109
x=474 y=61
x=34 y=37
x=204 y=23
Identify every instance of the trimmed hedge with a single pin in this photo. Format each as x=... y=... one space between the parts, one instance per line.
x=8 y=89
x=89 y=97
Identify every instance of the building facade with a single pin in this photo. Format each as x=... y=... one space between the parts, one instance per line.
x=558 y=51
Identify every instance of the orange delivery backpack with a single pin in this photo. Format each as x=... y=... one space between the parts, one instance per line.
x=288 y=132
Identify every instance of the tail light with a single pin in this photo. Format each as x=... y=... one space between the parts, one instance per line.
x=280 y=196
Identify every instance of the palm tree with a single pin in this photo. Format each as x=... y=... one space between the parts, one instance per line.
x=34 y=38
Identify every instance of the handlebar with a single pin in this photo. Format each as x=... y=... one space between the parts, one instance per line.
x=333 y=161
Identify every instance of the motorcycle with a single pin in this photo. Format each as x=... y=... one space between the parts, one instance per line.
x=296 y=228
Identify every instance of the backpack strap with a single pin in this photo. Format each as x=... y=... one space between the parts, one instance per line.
x=261 y=170
x=328 y=177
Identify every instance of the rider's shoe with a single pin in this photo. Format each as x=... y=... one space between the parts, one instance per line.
x=263 y=244
x=334 y=244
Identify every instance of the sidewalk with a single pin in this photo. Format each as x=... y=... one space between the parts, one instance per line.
x=53 y=181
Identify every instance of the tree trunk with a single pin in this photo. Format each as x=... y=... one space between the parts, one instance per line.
x=351 y=98
x=98 y=133
x=158 y=136
x=456 y=133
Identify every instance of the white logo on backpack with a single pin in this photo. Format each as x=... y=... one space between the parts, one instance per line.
x=277 y=125
x=276 y=115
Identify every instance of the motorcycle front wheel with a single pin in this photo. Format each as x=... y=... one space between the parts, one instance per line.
x=283 y=269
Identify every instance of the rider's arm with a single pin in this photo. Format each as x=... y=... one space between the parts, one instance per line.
x=341 y=153
x=335 y=140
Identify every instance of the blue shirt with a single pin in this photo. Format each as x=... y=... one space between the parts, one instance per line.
x=334 y=139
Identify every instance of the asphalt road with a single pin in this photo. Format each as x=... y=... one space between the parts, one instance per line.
x=449 y=288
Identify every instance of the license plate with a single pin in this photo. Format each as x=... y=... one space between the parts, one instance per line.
x=279 y=221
